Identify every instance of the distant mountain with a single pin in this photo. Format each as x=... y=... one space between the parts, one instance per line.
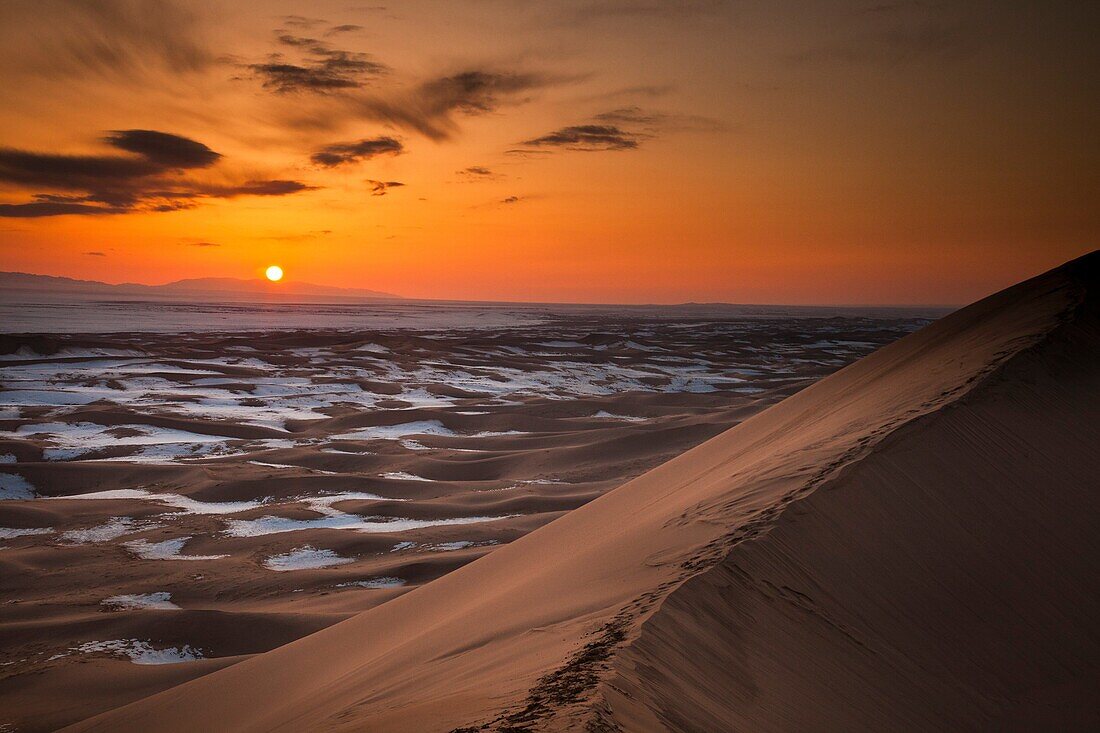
x=219 y=284
x=217 y=288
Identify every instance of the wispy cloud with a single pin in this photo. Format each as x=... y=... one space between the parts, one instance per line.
x=110 y=38
x=381 y=188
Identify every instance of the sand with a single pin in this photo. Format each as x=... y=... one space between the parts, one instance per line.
x=908 y=544
x=267 y=485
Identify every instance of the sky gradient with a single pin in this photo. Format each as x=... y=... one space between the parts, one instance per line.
x=583 y=151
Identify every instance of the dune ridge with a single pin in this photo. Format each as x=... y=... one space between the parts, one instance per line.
x=907 y=544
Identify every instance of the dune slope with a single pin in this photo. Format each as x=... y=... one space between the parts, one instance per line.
x=907 y=544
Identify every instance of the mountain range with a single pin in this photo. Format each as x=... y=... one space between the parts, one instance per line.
x=206 y=288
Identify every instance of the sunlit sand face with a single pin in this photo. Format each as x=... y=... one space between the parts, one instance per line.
x=274 y=273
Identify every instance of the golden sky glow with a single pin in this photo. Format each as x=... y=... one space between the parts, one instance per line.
x=597 y=151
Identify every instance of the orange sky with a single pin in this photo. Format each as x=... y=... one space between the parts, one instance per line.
x=595 y=150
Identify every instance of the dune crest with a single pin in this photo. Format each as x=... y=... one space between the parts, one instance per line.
x=909 y=544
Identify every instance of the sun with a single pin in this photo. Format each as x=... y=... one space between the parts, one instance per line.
x=274 y=273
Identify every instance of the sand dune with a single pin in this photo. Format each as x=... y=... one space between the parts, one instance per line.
x=269 y=486
x=907 y=544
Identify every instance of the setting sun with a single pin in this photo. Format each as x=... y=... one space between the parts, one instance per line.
x=274 y=273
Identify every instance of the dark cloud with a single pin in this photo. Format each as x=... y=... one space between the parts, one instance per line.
x=71 y=172
x=619 y=129
x=96 y=254
x=162 y=148
x=283 y=78
x=321 y=68
x=341 y=85
x=352 y=152
x=511 y=200
x=39 y=209
x=381 y=188
x=475 y=92
x=149 y=178
x=477 y=172
x=345 y=28
x=277 y=187
x=588 y=138
x=309 y=44
x=202 y=244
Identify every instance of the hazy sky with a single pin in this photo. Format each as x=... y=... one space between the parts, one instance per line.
x=579 y=150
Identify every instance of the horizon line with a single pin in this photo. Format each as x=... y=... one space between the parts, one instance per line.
x=407 y=299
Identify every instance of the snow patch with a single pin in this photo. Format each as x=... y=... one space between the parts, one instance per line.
x=403 y=476
x=7 y=533
x=159 y=601
x=381 y=582
x=392 y=432
x=113 y=528
x=305 y=558
x=140 y=652
x=15 y=487
x=184 y=503
x=374 y=525
x=166 y=550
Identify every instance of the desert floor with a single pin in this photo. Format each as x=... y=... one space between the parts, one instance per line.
x=173 y=503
